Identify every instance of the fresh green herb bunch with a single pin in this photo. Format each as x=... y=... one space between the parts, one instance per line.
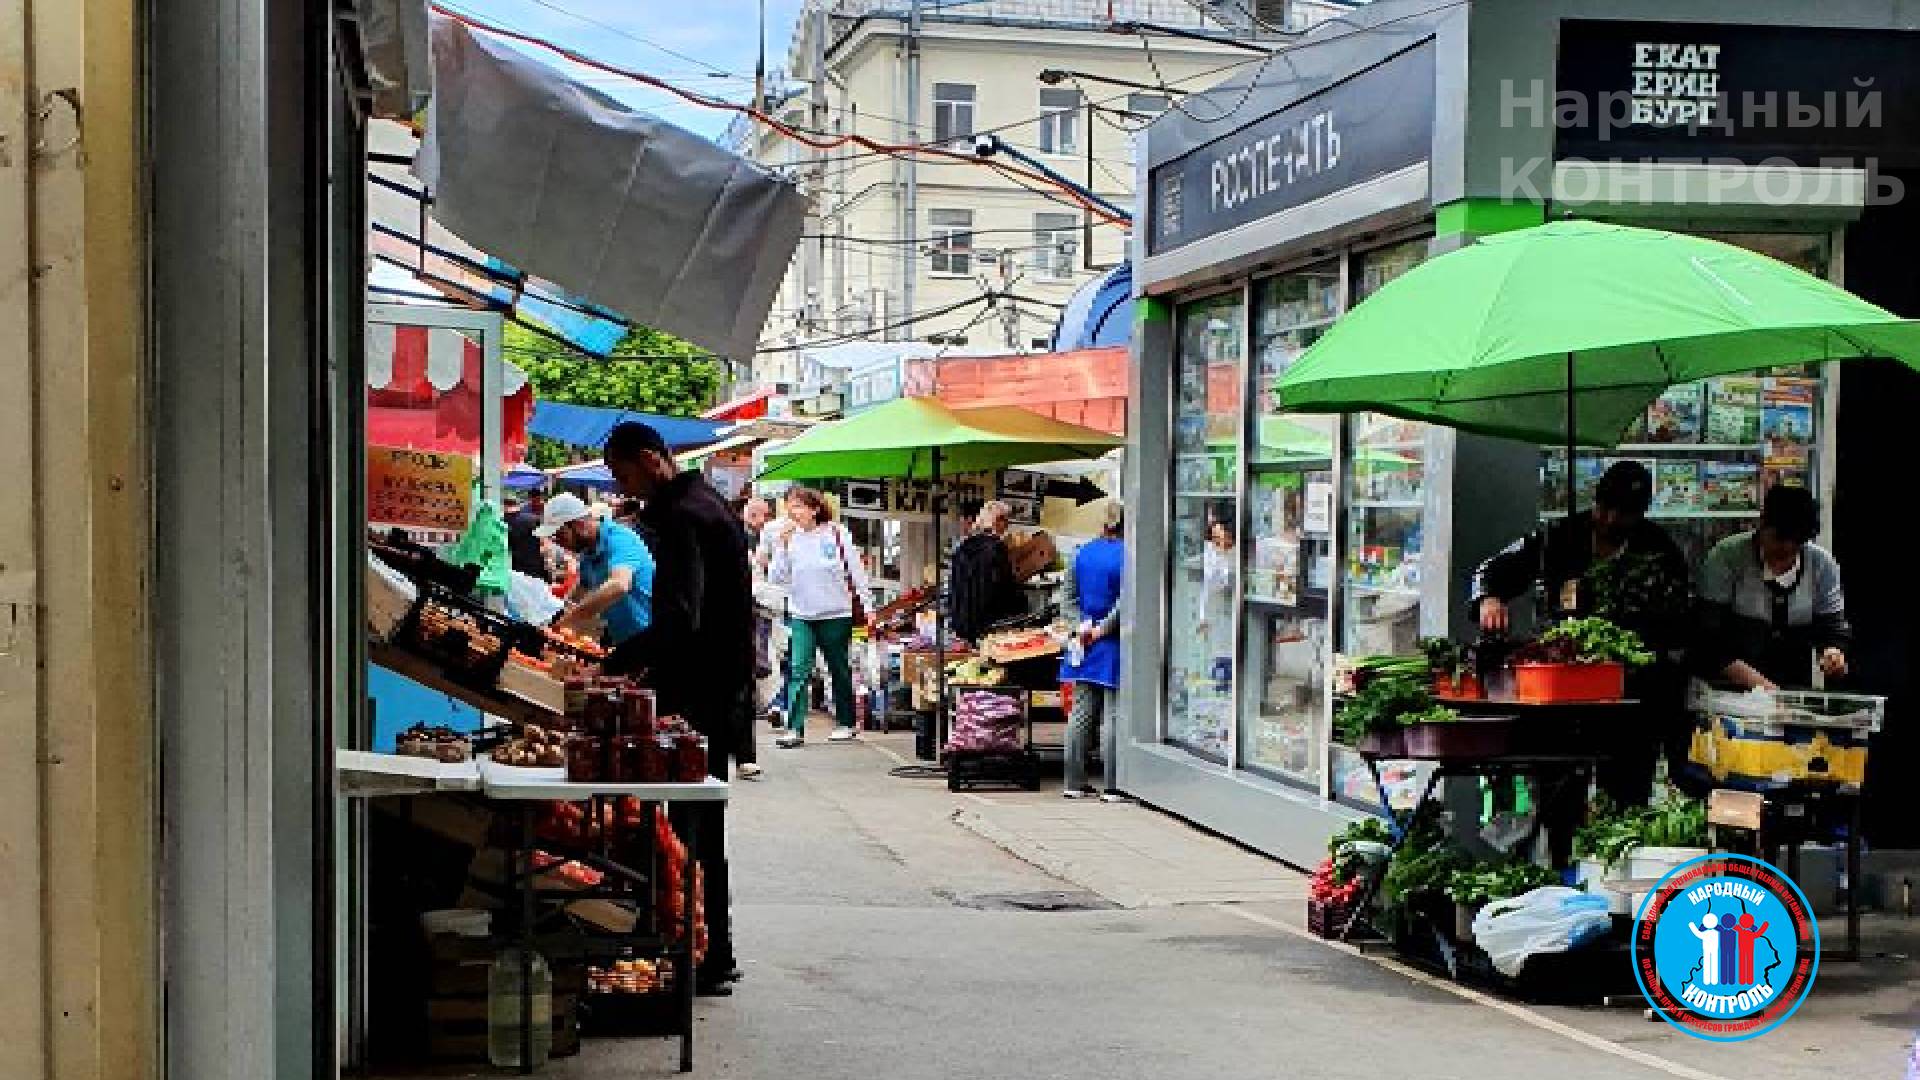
x=1446 y=658
x=1638 y=587
x=1611 y=832
x=1598 y=641
x=1488 y=882
x=1377 y=707
x=1423 y=865
x=1369 y=829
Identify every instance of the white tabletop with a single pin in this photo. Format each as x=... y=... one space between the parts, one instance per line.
x=514 y=782
x=365 y=773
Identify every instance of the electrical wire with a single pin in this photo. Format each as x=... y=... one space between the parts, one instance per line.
x=629 y=35
x=1289 y=52
x=867 y=335
x=807 y=139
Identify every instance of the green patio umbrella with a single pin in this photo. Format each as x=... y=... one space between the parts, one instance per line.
x=1566 y=332
x=919 y=438
x=922 y=438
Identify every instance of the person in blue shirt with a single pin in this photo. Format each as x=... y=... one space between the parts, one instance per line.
x=616 y=570
x=1092 y=607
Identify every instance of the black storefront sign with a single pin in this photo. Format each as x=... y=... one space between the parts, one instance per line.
x=1372 y=123
x=1638 y=91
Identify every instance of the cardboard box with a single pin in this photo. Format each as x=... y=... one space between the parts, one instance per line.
x=529 y=685
x=608 y=915
x=456 y=820
x=1031 y=553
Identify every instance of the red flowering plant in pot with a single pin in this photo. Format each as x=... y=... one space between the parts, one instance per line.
x=1578 y=660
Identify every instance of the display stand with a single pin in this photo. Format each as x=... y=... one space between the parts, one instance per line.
x=524 y=791
x=529 y=787
x=1561 y=744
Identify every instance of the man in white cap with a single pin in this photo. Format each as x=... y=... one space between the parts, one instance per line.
x=616 y=570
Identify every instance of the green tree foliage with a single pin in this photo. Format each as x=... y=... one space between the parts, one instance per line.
x=674 y=379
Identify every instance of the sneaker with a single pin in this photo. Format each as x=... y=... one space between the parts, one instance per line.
x=1079 y=793
x=1115 y=796
x=841 y=734
x=790 y=740
x=750 y=771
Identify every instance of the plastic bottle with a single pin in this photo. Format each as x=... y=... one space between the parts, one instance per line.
x=504 y=1008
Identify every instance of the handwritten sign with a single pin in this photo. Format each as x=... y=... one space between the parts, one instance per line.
x=419 y=488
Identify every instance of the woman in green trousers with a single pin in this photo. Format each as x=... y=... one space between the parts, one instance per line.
x=814 y=557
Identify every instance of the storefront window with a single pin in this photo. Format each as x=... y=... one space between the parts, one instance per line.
x=1715 y=446
x=1386 y=526
x=1204 y=545
x=1289 y=551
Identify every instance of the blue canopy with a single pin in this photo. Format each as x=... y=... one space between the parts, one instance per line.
x=585 y=425
x=524 y=476
x=593 y=474
x=1100 y=314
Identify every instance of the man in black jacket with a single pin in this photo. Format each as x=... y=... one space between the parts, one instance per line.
x=698 y=652
x=1611 y=562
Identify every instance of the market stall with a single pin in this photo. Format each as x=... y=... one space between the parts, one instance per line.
x=573 y=901
x=919 y=439
x=1502 y=350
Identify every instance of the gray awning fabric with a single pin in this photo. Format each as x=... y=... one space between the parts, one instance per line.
x=399 y=57
x=634 y=214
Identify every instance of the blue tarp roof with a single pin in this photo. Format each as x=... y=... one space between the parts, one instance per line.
x=585 y=425
x=1100 y=314
x=524 y=476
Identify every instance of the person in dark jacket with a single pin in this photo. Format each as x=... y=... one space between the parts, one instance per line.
x=698 y=652
x=982 y=590
x=1611 y=562
x=1771 y=607
x=529 y=557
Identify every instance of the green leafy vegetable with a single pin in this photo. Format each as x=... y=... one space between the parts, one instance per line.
x=1487 y=882
x=1595 y=641
x=1379 y=706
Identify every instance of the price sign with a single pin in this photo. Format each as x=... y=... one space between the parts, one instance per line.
x=419 y=489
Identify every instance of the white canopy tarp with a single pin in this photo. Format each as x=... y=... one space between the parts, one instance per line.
x=632 y=213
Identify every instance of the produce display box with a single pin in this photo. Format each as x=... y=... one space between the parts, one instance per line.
x=1326 y=919
x=1788 y=738
x=1554 y=683
x=543 y=690
x=468 y=641
x=968 y=770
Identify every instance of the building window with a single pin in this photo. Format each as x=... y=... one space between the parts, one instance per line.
x=952 y=242
x=1059 y=121
x=952 y=111
x=1146 y=106
x=1055 y=241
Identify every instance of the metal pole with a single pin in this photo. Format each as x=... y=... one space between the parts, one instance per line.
x=1573 y=440
x=939 y=622
x=910 y=201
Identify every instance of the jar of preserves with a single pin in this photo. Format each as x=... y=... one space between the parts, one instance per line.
x=689 y=758
x=586 y=759
x=638 y=711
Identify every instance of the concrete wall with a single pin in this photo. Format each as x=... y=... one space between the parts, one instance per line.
x=78 y=826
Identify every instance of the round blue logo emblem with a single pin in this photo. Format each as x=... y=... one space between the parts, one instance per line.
x=1725 y=947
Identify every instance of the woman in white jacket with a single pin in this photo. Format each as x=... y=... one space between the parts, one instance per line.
x=814 y=557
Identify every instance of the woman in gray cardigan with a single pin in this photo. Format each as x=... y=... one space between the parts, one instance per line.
x=1772 y=609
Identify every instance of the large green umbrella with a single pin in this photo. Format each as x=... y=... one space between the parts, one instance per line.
x=920 y=438
x=1566 y=332
x=917 y=438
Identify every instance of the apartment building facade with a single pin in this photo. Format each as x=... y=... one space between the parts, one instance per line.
x=952 y=250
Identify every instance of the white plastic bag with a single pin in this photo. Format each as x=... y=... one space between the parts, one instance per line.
x=531 y=600
x=1547 y=920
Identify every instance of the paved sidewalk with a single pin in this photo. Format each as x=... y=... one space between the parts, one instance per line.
x=1134 y=856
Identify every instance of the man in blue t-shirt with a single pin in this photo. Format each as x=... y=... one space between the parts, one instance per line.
x=616 y=570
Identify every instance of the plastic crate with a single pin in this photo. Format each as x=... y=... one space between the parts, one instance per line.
x=1767 y=741
x=1326 y=919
